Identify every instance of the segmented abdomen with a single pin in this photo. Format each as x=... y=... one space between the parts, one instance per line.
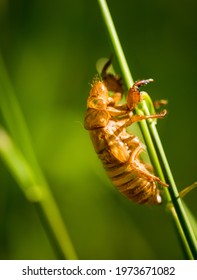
x=132 y=184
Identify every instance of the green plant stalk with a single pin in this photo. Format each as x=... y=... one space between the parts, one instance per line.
x=181 y=219
x=26 y=169
x=176 y=200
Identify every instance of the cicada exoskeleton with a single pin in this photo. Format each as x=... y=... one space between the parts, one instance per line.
x=107 y=120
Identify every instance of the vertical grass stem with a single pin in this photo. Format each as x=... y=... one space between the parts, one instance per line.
x=150 y=134
x=18 y=154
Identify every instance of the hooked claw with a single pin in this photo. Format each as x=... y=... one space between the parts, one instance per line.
x=143 y=82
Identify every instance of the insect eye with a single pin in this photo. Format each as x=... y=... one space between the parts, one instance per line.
x=97 y=103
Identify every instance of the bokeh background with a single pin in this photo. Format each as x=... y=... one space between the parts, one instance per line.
x=50 y=49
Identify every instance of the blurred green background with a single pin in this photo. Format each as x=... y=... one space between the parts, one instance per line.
x=50 y=49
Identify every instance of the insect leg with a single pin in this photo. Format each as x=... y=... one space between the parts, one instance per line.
x=152 y=106
x=106 y=66
x=137 y=118
x=128 y=120
x=112 y=82
x=116 y=111
x=135 y=164
x=160 y=103
x=134 y=95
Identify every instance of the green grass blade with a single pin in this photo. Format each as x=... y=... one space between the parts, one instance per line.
x=19 y=156
x=39 y=194
x=152 y=140
x=13 y=116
